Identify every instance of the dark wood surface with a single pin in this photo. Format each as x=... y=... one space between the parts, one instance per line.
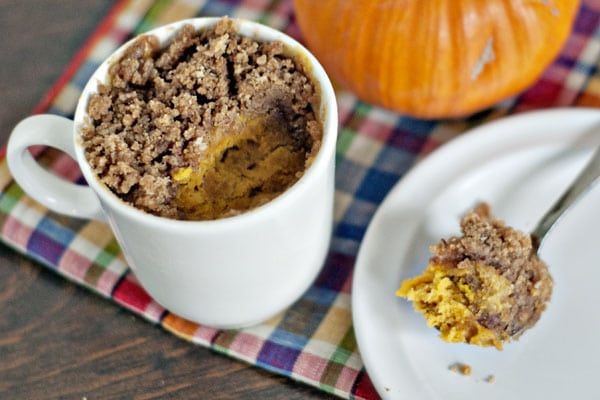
x=58 y=341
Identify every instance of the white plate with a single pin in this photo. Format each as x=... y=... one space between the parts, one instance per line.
x=519 y=165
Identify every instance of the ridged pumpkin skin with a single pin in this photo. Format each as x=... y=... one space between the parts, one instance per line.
x=435 y=58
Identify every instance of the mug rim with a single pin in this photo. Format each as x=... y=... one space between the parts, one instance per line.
x=327 y=114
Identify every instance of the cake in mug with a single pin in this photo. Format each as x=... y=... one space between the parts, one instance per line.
x=210 y=126
x=485 y=287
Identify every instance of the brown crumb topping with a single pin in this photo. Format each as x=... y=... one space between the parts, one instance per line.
x=169 y=115
x=489 y=241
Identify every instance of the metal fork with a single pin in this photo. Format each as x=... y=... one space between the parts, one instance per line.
x=583 y=183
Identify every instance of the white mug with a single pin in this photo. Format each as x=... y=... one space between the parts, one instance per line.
x=225 y=273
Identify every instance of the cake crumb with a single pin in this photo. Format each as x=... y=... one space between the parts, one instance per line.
x=490 y=379
x=461 y=368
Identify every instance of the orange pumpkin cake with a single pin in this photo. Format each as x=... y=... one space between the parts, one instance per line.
x=485 y=287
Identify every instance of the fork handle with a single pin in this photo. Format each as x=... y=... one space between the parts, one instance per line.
x=584 y=181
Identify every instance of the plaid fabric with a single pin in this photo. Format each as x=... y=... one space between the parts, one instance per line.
x=313 y=341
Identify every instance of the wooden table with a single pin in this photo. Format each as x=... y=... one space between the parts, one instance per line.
x=58 y=341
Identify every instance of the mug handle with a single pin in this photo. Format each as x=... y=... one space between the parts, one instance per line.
x=50 y=190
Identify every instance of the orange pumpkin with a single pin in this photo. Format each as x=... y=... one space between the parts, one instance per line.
x=435 y=58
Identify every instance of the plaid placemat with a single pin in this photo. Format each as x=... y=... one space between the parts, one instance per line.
x=313 y=341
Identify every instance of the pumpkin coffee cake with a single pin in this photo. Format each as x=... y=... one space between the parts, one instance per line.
x=485 y=287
